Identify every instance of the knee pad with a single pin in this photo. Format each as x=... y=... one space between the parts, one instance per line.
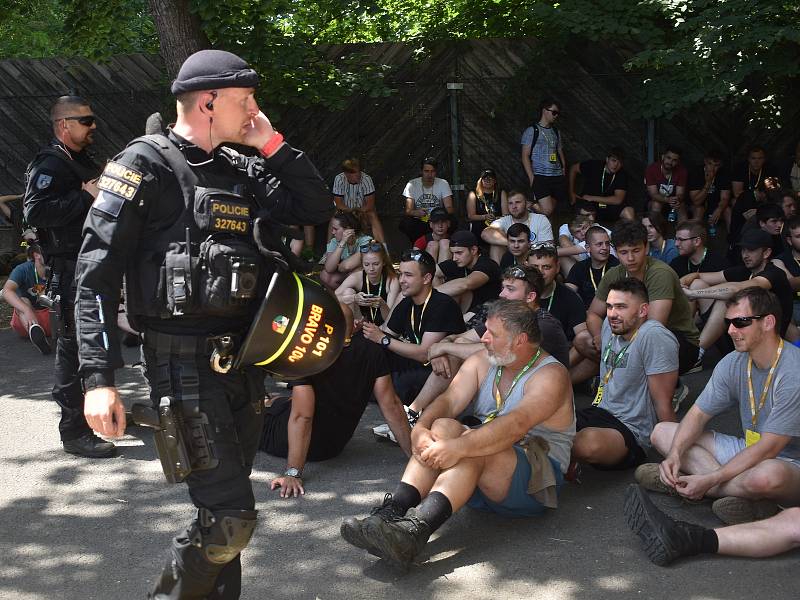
x=222 y=534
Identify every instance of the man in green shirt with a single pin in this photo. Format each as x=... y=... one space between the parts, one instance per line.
x=668 y=303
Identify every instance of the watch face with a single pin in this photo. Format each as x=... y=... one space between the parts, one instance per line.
x=292 y=472
x=386 y=340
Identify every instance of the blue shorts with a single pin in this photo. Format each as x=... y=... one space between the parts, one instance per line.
x=517 y=503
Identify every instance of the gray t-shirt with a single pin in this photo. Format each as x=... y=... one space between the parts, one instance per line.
x=727 y=389
x=627 y=396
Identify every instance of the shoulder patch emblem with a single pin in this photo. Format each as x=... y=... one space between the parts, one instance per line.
x=109 y=203
x=120 y=181
x=43 y=181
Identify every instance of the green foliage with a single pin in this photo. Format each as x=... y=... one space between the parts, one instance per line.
x=30 y=29
x=98 y=29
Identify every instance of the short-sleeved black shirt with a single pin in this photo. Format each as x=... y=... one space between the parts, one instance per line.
x=579 y=277
x=741 y=172
x=711 y=263
x=508 y=260
x=489 y=290
x=597 y=182
x=697 y=180
x=566 y=306
x=793 y=267
x=441 y=315
x=778 y=281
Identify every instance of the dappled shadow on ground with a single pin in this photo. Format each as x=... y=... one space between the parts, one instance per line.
x=72 y=528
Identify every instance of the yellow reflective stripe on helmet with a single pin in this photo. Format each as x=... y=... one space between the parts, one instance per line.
x=292 y=331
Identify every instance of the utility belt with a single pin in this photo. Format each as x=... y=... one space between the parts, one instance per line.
x=184 y=439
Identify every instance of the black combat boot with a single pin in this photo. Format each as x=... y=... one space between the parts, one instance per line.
x=352 y=529
x=399 y=539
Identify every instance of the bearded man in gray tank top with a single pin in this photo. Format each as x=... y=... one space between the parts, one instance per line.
x=511 y=462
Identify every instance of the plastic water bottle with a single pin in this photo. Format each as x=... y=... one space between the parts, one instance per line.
x=672 y=217
x=712 y=230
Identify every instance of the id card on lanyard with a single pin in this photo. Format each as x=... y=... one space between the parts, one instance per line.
x=598 y=397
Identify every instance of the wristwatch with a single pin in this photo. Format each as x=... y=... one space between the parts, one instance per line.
x=386 y=340
x=293 y=472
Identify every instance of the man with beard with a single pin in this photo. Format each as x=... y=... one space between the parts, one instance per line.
x=666 y=183
x=606 y=184
x=638 y=373
x=511 y=463
x=496 y=234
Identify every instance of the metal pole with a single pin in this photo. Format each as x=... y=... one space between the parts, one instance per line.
x=455 y=183
x=651 y=141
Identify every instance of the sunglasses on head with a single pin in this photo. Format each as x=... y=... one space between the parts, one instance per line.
x=371 y=246
x=742 y=322
x=417 y=255
x=516 y=272
x=86 y=120
x=543 y=246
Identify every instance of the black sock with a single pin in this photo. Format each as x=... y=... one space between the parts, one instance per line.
x=435 y=510
x=709 y=543
x=404 y=497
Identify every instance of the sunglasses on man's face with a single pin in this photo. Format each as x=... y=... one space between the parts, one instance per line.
x=86 y=120
x=742 y=322
x=371 y=246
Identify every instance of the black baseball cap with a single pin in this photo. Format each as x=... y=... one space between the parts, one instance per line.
x=439 y=214
x=463 y=239
x=488 y=173
x=751 y=239
x=212 y=70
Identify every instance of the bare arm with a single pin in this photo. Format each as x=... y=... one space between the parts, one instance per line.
x=723 y=291
x=350 y=263
x=594 y=319
x=456 y=287
x=340 y=205
x=300 y=420
x=526 y=162
x=11 y=296
x=659 y=311
x=413 y=212
x=617 y=198
x=504 y=202
x=653 y=193
x=494 y=236
x=392 y=411
x=462 y=350
x=661 y=387
x=369 y=203
x=573 y=177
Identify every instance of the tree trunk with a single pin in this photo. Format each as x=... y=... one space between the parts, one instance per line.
x=179 y=32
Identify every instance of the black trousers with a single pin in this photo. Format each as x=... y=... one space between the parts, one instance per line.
x=229 y=401
x=67 y=384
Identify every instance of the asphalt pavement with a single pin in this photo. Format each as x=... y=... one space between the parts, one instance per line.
x=74 y=528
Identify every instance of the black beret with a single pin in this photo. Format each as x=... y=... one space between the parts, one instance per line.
x=211 y=70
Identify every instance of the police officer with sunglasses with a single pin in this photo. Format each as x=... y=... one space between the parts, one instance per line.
x=60 y=188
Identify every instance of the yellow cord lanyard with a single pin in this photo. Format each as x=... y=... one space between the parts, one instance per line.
x=498 y=398
x=751 y=436
x=421 y=314
x=374 y=311
x=699 y=265
x=758 y=178
x=614 y=364
x=553 y=295
x=591 y=275
x=603 y=182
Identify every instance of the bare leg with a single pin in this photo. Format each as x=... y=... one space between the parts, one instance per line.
x=583 y=370
x=377 y=227
x=627 y=213
x=599 y=446
x=546 y=205
x=567 y=262
x=418 y=473
x=434 y=386
x=773 y=479
x=444 y=250
x=496 y=252
x=432 y=248
x=715 y=326
x=772 y=536
x=703 y=304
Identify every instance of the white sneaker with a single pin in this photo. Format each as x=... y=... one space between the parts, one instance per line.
x=383 y=432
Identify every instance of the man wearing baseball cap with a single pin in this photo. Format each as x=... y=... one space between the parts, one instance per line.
x=437 y=241
x=469 y=277
x=166 y=205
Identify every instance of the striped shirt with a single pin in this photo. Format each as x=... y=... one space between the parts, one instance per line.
x=353 y=194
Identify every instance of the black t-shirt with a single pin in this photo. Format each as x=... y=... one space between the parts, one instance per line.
x=441 y=315
x=741 y=172
x=336 y=414
x=508 y=260
x=489 y=290
x=566 y=306
x=697 y=180
x=793 y=267
x=744 y=203
x=598 y=182
x=778 y=281
x=579 y=276
x=711 y=263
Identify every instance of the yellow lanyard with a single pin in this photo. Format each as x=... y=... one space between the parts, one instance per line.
x=758 y=177
x=754 y=410
x=591 y=275
x=553 y=295
x=689 y=262
x=374 y=311
x=617 y=359
x=498 y=398
x=421 y=314
x=603 y=181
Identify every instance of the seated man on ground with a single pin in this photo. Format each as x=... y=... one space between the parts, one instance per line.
x=693 y=254
x=709 y=188
x=519 y=246
x=375 y=289
x=469 y=277
x=353 y=190
x=572 y=242
x=769 y=218
x=495 y=234
x=318 y=420
x=751 y=474
x=422 y=195
x=666 y=540
x=659 y=246
x=342 y=255
x=566 y=306
x=638 y=373
x=605 y=184
x=711 y=290
x=668 y=304
x=585 y=276
x=29 y=320
x=424 y=316
x=666 y=184
x=789 y=262
x=511 y=463
x=437 y=241
x=519 y=283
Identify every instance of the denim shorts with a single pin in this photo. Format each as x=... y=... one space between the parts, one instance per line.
x=517 y=503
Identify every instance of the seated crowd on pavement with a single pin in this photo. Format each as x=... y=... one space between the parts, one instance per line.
x=473 y=342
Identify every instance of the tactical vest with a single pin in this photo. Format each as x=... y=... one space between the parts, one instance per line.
x=206 y=264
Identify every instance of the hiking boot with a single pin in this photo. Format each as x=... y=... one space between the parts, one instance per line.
x=664 y=539
x=679 y=396
x=732 y=510
x=90 y=446
x=384 y=433
x=400 y=539
x=39 y=338
x=352 y=529
x=648 y=476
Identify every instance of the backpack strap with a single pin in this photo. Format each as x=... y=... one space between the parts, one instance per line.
x=176 y=161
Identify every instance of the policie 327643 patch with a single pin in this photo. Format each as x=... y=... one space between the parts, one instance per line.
x=118 y=183
x=231 y=217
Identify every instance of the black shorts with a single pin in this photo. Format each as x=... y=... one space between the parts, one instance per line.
x=549 y=185
x=275 y=434
x=688 y=352
x=594 y=416
x=609 y=214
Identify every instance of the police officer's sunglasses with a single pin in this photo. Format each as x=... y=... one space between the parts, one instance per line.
x=371 y=246
x=85 y=120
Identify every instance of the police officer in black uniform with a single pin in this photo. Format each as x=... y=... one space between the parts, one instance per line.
x=60 y=187
x=175 y=214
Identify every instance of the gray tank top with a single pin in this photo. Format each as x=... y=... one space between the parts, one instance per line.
x=484 y=404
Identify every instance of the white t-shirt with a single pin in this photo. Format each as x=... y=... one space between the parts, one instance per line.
x=427 y=197
x=564 y=230
x=541 y=231
x=353 y=194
